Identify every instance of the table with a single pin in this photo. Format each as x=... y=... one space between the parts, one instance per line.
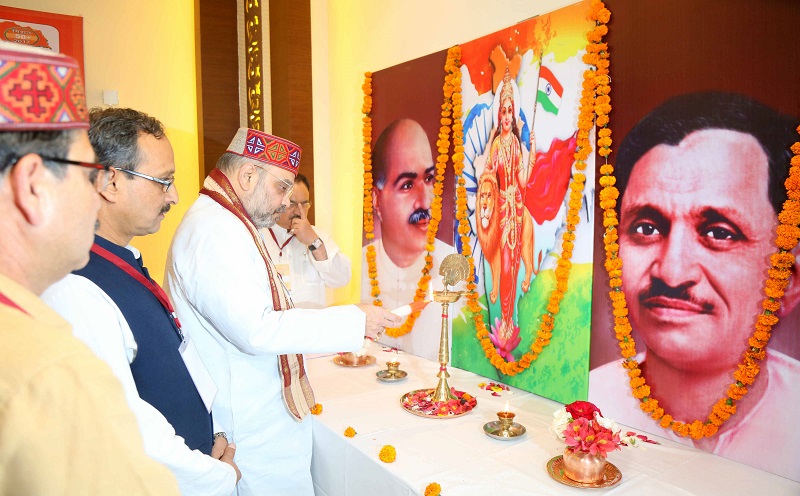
x=458 y=455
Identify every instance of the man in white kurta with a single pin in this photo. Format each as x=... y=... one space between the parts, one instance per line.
x=126 y=139
x=750 y=438
x=220 y=285
x=307 y=257
x=398 y=286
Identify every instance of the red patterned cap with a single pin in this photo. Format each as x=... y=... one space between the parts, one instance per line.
x=266 y=148
x=40 y=91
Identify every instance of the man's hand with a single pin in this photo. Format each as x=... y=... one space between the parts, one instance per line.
x=224 y=452
x=220 y=443
x=378 y=318
x=302 y=229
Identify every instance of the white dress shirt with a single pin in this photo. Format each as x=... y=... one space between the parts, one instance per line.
x=97 y=321
x=309 y=277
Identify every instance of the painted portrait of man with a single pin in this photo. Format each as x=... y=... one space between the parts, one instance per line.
x=694 y=252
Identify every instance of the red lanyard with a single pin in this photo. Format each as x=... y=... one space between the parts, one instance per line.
x=147 y=283
x=4 y=300
x=280 y=246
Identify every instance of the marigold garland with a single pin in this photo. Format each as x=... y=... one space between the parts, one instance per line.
x=589 y=104
x=388 y=454
x=777 y=280
x=350 y=432
x=452 y=81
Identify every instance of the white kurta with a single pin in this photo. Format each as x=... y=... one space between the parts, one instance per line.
x=97 y=321
x=219 y=285
x=398 y=286
x=759 y=437
x=309 y=277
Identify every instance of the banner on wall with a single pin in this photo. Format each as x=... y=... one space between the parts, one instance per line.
x=521 y=89
x=405 y=124
x=701 y=145
x=57 y=32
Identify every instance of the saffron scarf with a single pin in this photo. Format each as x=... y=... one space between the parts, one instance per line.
x=296 y=390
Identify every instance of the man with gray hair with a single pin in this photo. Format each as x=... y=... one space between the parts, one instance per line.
x=64 y=424
x=125 y=317
x=233 y=304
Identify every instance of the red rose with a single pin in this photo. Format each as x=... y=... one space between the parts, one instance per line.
x=582 y=409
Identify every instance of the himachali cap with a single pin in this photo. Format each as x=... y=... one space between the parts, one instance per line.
x=266 y=148
x=40 y=91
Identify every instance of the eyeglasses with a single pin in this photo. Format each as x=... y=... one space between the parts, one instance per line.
x=167 y=184
x=302 y=204
x=99 y=182
x=288 y=186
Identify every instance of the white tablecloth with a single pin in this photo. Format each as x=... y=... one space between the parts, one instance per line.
x=457 y=454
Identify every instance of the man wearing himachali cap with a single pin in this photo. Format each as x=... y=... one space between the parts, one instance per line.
x=64 y=425
x=232 y=303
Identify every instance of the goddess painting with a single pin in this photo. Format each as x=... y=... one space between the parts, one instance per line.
x=506 y=173
x=513 y=193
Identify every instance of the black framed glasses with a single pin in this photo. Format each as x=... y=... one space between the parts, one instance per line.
x=165 y=183
x=302 y=204
x=100 y=181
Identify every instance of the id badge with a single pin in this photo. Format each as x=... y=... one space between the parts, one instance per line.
x=284 y=269
x=202 y=379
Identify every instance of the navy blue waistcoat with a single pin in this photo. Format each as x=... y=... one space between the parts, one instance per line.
x=158 y=369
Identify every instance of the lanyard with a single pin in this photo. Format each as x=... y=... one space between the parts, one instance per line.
x=147 y=283
x=280 y=246
x=4 y=300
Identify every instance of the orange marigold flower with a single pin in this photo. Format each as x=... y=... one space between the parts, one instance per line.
x=433 y=489
x=316 y=409
x=350 y=432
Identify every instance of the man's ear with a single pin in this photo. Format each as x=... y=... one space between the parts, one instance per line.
x=31 y=185
x=247 y=177
x=791 y=295
x=112 y=189
x=376 y=208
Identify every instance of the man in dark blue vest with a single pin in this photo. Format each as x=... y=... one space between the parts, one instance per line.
x=125 y=317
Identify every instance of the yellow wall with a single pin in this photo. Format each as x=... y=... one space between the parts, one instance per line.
x=369 y=35
x=144 y=49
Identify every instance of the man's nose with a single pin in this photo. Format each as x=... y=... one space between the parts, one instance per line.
x=424 y=197
x=172 y=194
x=677 y=264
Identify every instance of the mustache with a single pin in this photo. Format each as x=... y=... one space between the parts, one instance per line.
x=281 y=209
x=166 y=208
x=419 y=215
x=660 y=289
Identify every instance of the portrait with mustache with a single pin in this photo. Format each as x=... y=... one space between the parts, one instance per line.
x=404 y=176
x=403 y=190
x=701 y=181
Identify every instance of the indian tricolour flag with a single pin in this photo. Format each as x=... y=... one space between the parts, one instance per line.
x=550 y=91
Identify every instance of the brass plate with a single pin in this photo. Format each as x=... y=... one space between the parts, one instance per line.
x=407 y=407
x=350 y=360
x=385 y=376
x=492 y=429
x=555 y=467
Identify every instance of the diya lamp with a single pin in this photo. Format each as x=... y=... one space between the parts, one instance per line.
x=506 y=419
x=393 y=368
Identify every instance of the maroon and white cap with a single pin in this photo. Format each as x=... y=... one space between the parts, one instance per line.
x=266 y=148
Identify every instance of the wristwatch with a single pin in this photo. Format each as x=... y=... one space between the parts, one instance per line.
x=315 y=244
